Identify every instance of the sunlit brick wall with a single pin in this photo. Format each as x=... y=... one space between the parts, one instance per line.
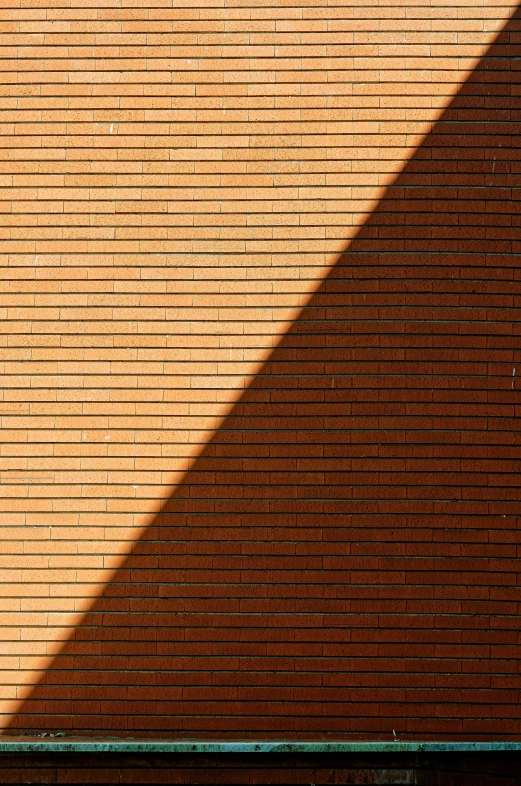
x=259 y=460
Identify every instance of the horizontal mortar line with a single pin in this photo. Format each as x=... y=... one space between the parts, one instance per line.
x=242 y=68
x=386 y=208
x=246 y=96
x=72 y=44
x=460 y=124
x=441 y=186
x=409 y=195
x=132 y=627
x=121 y=150
x=255 y=429
x=275 y=485
x=245 y=72
x=480 y=124
x=248 y=290
x=273 y=498
x=301 y=322
x=421 y=200
x=270 y=402
x=473 y=266
x=357 y=255
x=229 y=162
x=226 y=583
x=248 y=8
x=419 y=203
x=226 y=135
x=263 y=541
x=365 y=273
x=308 y=24
x=296 y=501
x=442 y=190
x=194 y=102
x=289 y=362
x=247 y=748
x=409 y=187
x=355 y=614
x=267 y=429
x=271 y=63
x=308 y=672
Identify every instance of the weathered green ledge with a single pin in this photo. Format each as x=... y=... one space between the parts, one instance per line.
x=133 y=746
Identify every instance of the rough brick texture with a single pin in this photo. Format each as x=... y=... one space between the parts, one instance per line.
x=261 y=289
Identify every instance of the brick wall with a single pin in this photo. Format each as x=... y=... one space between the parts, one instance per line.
x=260 y=457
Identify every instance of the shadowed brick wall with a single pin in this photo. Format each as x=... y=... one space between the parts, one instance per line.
x=260 y=458
x=303 y=770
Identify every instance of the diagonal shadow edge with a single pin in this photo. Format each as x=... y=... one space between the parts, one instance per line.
x=392 y=192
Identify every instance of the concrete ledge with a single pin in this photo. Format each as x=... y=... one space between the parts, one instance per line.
x=82 y=745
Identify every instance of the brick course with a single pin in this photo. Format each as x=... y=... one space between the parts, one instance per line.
x=260 y=349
